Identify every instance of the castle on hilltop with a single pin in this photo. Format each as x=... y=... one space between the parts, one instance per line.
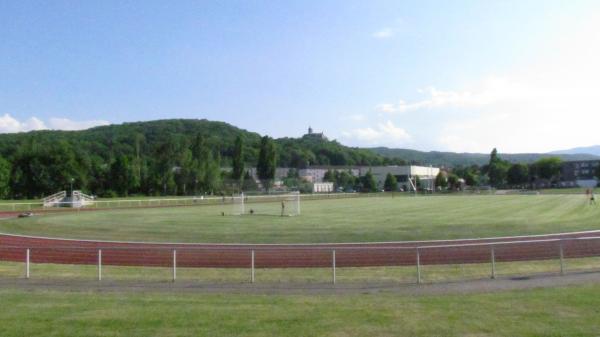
x=314 y=135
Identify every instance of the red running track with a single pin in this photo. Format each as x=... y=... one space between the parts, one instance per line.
x=505 y=249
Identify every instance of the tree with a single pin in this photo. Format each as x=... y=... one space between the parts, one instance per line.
x=418 y=183
x=248 y=183
x=453 y=181
x=441 y=181
x=238 y=160
x=549 y=168
x=121 y=175
x=391 y=183
x=518 y=175
x=4 y=178
x=329 y=176
x=265 y=167
x=368 y=182
x=497 y=170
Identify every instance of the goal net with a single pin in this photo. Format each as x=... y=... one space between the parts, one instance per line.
x=273 y=204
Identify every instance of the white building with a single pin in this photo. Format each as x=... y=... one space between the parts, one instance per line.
x=322 y=187
x=404 y=175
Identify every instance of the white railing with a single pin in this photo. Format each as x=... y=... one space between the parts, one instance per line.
x=52 y=200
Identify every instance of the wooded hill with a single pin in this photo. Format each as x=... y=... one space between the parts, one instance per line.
x=453 y=159
x=150 y=157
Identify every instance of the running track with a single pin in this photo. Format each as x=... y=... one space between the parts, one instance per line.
x=505 y=249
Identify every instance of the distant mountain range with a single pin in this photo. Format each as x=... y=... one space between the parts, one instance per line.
x=594 y=150
x=450 y=159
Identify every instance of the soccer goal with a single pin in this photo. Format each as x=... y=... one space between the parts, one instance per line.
x=287 y=204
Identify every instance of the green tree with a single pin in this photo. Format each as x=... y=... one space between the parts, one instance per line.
x=518 y=175
x=549 y=168
x=368 y=182
x=391 y=183
x=4 y=178
x=497 y=170
x=237 y=172
x=265 y=167
x=248 y=183
x=441 y=181
x=121 y=175
x=329 y=176
x=418 y=183
x=453 y=181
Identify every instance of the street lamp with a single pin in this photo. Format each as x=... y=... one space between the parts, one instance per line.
x=72 y=180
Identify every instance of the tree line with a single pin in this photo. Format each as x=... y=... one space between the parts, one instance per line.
x=167 y=157
x=499 y=173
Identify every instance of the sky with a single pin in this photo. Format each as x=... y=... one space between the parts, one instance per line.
x=464 y=76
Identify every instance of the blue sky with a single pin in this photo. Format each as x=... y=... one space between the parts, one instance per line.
x=429 y=75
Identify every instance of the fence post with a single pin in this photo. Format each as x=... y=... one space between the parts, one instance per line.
x=174 y=265
x=99 y=264
x=333 y=265
x=252 y=268
x=493 y=263
x=418 y=266
x=27 y=256
x=562 y=258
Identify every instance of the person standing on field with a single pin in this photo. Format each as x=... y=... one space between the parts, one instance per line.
x=282 y=207
x=592 y=198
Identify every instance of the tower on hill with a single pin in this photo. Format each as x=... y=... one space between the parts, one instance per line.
x=313 y=135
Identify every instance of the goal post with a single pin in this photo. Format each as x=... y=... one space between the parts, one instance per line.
x=287 y=204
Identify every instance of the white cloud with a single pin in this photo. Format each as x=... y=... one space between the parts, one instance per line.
x=440 y=99
x=549 y=102
x=356 y=118
x=383 y=134
x=9 y=124
x=384 y=33
x=68 y=124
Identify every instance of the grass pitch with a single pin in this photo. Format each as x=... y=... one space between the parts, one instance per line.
x=568 y=311
x=338 y=220
x=571 y=311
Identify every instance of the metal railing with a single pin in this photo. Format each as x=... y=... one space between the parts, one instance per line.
x=254 y=257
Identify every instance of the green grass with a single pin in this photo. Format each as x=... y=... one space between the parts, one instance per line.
x=569 y=311
x=341 y=220
x=371 y=275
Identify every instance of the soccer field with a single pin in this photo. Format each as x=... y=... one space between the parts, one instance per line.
x=372 y=219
